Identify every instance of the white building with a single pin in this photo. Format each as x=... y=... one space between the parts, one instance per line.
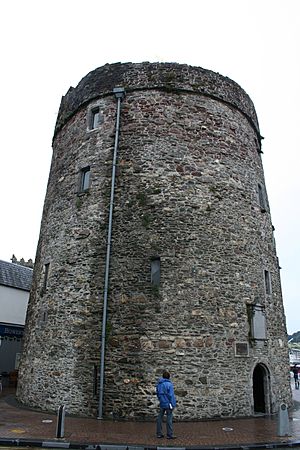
x=294 y=356
x=15 y=283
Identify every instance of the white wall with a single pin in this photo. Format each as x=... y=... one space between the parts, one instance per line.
x=13 y=305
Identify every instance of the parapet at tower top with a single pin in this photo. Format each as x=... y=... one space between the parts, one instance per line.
x=163 y=76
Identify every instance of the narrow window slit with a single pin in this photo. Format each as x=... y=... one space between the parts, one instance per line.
x=155 y=271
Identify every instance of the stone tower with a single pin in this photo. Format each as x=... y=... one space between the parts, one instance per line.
x=156 y=251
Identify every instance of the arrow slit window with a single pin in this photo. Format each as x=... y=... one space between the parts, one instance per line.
x=155 y=271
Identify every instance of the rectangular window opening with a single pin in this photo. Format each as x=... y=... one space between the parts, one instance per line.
x=267 y=277
x=43 y=316
x=155 y=271
x=84 y=179
x=261 y=197
x=46 y=275
x=95 y=118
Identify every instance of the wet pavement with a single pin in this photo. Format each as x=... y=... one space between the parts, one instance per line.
x=20 y=426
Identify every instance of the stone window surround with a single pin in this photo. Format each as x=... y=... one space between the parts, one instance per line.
x=94 y=118
x=46 y=270
x=261 y=197
x=155 y=270
x=267 y=282
x=82 y=180
x=43 y=316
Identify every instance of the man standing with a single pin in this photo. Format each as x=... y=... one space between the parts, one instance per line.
x=296 y=376
x=167 y=401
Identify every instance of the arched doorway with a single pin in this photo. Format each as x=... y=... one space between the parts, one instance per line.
x=261 y=389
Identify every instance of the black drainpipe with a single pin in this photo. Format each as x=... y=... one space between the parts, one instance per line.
x=119 y=94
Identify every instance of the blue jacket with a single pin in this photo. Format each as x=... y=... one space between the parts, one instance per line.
x=165 y=393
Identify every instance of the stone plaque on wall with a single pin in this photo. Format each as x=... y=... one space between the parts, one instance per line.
x=241 y=349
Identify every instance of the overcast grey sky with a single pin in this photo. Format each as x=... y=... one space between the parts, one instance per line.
x=49 y=45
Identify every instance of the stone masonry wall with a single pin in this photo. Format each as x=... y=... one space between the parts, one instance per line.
x=187 y=191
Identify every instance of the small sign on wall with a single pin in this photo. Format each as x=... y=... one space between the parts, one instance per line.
x=241 y=349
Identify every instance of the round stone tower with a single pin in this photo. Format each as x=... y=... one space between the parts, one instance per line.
x=156 y=251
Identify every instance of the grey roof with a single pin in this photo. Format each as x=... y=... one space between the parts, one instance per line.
x=15 y=275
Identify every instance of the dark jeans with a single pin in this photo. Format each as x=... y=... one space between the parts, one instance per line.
x=169 y=413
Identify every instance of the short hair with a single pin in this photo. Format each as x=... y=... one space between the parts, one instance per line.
x=166 y=374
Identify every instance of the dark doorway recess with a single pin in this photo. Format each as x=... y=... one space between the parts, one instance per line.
x=261 y=389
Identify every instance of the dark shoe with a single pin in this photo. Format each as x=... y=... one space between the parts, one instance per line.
x=160 y=436
x=171 y=437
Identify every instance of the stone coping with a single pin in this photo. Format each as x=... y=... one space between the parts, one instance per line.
x=169 y=77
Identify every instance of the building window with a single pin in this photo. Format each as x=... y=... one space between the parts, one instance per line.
x=257 y=322
x=84 y=182
x=46 y=275
x=155 y=271
x=261 y=197
x=267 y=277
x=95 y=118
x=43 y=317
